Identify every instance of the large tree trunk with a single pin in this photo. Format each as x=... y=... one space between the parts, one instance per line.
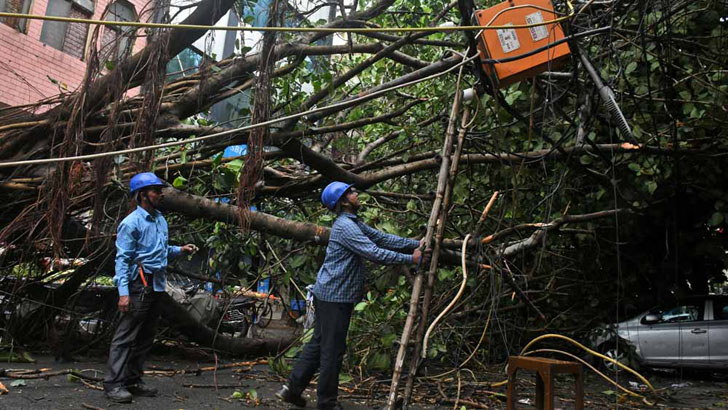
x=181 y=320
x=195 y=206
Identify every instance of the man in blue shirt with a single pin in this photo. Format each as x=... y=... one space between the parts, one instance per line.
x=141 y=261
x=339 y=285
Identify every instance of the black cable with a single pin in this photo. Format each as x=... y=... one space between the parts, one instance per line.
x=547 y=46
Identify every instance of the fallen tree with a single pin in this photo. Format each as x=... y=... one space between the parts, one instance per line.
x=373 y=111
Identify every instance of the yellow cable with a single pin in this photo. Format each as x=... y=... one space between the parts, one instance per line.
x=593 y=353
x=452 y=303
x=590 y=351
x=284 y=29
x=602 y=375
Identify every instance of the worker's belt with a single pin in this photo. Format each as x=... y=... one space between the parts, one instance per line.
x=147 y=276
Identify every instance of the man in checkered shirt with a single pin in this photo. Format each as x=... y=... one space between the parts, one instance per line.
x=339 y=285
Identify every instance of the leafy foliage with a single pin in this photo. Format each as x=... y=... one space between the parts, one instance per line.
x=553 y=150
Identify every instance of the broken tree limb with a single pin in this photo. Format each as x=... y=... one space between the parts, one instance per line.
x=200 y=207
x=513 y=247
x=481 y=220
x=198 y=370
x=47 y=375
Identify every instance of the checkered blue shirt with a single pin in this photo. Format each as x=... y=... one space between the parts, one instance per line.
x=341 y=277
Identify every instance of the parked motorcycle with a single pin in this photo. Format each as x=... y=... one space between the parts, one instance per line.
x=242 y=312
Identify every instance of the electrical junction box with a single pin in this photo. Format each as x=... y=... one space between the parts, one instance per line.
x=505 y=43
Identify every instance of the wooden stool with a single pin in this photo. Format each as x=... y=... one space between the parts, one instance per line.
x=545 y=370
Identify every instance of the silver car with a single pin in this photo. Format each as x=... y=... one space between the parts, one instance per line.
x=692 y=333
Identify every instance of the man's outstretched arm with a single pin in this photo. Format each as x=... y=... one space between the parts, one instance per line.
x=387 y=240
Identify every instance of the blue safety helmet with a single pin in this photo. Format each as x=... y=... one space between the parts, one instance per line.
x=333 y=192
x=143 y=180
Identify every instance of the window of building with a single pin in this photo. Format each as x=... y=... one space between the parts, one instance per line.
x=67 y=37
x=15 y=6
x=53 y=33
x=117 y=41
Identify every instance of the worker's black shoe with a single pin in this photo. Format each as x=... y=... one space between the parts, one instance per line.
x=288 y=396
x=142 y=390
x=119 y=395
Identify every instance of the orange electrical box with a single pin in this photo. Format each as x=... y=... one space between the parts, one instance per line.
x=505 y=43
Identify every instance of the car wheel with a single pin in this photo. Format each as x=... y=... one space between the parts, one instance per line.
x=265 y=314
x=616 y=351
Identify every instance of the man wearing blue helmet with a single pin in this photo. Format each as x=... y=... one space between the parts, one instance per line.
x=141 y=261
x=339 y=285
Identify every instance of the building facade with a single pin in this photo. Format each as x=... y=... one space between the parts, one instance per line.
x=40 y=59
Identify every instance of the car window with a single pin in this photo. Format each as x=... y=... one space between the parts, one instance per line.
x=720 y=309
x=689 y=312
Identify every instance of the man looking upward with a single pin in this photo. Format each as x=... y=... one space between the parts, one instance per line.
x=339 y=285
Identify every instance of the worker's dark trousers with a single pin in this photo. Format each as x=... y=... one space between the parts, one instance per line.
x=325 y=351
x=133 y=337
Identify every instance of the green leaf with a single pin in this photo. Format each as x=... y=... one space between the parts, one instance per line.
x=630 y=67
x=651 y=186
x=216 y=160
x=634 y=167
x=510 y=98
x=360 y=306
x=179 y=182
x=297 y=261
x=235 y=165
x=109 y=65
x=253 y=394
x=443 y=274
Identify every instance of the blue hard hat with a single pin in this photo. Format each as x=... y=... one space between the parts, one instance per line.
x=143 y=180
x=333 y=192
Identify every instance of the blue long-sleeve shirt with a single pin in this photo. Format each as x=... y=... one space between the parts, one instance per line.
x=342 y=275
x=142 y=237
